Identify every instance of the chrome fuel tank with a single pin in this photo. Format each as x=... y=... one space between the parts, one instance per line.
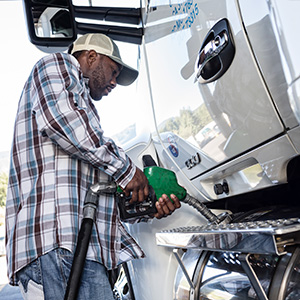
x=212 y=275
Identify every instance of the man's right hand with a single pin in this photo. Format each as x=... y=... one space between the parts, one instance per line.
x=137 y=187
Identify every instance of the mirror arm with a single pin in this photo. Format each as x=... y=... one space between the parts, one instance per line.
x=112 y=14
x=123 y=34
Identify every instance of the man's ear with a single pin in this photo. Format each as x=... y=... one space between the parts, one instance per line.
x=91 y=57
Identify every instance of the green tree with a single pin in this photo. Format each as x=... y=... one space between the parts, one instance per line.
x=202 y=116
x=3 y=188
x=186 y=123
x=171 y=125
x=189 y=122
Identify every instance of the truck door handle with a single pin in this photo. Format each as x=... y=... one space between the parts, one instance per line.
x=211 y=50
x=216 y=53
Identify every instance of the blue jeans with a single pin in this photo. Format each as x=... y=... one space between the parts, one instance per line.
x=47 y=277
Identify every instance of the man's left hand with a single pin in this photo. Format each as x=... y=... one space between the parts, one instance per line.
x=165 y=206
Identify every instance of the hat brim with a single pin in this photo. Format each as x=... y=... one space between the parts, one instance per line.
x=127 y=75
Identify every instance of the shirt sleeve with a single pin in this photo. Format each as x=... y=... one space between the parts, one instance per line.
x=63 y=112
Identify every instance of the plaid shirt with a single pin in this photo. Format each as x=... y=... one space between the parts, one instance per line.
x=58 y=152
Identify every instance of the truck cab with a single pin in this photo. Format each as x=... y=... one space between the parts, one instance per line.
x=219 y=105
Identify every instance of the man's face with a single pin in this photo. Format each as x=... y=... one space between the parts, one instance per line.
x=103 y=76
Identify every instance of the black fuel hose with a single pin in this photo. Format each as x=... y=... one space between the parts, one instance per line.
x=206 y=212
x=79 y=259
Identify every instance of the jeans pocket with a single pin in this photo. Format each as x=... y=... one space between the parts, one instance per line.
x=33 y=291
x=65 y=258
x=31 y=272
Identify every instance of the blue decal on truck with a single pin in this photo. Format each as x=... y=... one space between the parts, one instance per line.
x=189 y=11
x=173 y=146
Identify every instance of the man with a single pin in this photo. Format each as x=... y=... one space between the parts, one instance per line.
x=58 y=152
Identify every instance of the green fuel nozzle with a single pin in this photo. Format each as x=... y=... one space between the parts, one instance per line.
x=164 y=181
x=161 y=181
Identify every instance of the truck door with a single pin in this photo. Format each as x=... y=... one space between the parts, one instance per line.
x=210 y=100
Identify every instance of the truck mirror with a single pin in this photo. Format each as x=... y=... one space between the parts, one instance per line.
x=50 y=25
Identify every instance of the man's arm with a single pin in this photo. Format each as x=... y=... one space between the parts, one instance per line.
x=64 y=115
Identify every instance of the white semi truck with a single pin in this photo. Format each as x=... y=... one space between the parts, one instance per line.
x=219 y=104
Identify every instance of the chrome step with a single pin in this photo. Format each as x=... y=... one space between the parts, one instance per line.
x=257 y=237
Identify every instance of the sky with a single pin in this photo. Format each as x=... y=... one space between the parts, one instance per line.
x=18 y=56
x=17 y=59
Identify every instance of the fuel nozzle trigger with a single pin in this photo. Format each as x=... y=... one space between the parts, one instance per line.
x=137 y=209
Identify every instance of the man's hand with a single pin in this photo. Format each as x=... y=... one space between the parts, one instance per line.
x=138 y=187
x=165 y=207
